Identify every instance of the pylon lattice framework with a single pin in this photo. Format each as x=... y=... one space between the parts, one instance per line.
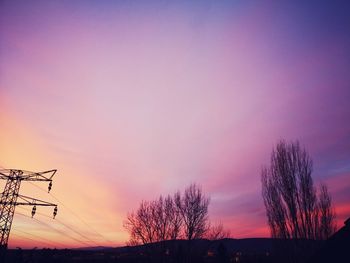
x=10 y=195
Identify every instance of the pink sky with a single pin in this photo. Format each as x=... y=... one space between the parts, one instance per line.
x=130 y=101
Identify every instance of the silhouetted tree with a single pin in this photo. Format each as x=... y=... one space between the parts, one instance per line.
x=155 y=221
x=193 y=206
x=160 y=219
x=293 y=208
x=140 y=224
x=174 y=217
x=168 y=218
x=327 y=215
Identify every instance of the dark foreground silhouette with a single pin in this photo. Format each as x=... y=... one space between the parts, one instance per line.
x=335 y=249
x=225 y=250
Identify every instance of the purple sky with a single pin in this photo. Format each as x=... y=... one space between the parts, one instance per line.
x=133 y=100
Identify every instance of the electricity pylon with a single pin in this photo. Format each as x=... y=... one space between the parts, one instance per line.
x=10 y=195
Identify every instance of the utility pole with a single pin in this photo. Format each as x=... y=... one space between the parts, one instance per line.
x=10 y=198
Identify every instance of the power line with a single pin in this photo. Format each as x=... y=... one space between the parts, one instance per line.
x=10 y=195
x=73 y=213
x=75 y=231
x=57 y=230
x=46 y=241
x=40 y=237
x=69 y=227
x=9 y=202
x=20 y=236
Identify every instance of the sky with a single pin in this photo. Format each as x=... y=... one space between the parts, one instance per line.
x=129 y=100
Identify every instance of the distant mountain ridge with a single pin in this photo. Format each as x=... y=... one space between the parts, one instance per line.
x=245 y=245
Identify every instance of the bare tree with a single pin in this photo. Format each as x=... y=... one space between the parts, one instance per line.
x=217 y=232
x=193 y=207
x=159 y=219
x=327 y=225
x=292 y=207
x=141 y=224
x=167 y=218
x=174 y=216
x=154 y=221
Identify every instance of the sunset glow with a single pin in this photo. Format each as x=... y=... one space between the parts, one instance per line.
x=129 y=100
